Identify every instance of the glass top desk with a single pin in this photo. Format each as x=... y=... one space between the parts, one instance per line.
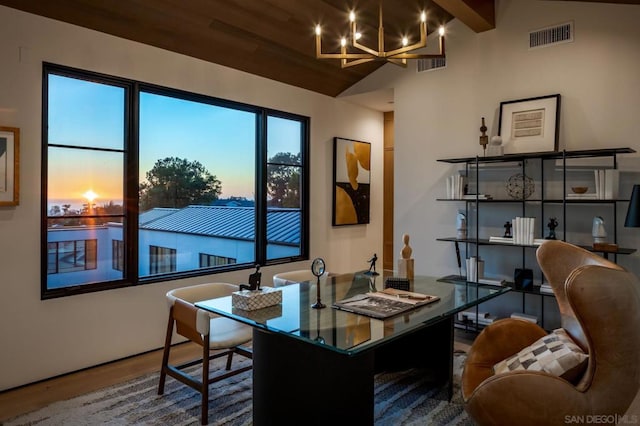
x=318 y=365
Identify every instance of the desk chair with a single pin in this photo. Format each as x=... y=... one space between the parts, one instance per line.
x=207 y=330
x=290 y=277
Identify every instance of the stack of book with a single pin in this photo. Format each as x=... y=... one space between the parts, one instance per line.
x=482 y=318
x=478 y=196
x=510 y=240
x=525 y=317
x=546 y=288
x=522 y=228
x=455 y=187
x=606 y=184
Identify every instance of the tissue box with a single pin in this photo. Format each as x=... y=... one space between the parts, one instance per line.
x=256 y=299
x=260 y=316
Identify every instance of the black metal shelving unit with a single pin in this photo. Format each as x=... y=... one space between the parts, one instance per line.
x=472 y=170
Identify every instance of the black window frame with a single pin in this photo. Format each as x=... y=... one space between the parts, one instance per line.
x=131 y=274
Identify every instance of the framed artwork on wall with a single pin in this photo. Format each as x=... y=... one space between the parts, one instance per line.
x=351 y=182
x=9 y=166
x=530 y=125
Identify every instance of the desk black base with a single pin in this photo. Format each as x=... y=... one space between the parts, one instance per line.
x=296 y=383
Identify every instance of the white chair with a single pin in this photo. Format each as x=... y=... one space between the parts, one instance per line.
x=207 y=330
x=291 y=277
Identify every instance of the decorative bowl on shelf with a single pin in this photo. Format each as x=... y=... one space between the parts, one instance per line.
x=579 y=189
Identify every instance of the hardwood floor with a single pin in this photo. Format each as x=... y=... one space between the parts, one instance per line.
x=32 y=397
x=35 y=396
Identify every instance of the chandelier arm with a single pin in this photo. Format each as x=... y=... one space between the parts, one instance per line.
x=419 y=45
x=417 y=56
x=400 y=62
x=362 y=47
x=424 y=55
x=347 y=64
x=344 y=56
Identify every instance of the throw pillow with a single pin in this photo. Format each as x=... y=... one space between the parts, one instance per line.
x=555 y=353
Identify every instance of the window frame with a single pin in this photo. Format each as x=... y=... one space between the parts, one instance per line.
x=131 y=273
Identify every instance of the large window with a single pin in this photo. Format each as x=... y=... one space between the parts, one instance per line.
x=138 y=168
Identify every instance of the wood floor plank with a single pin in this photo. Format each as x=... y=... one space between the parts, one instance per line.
x=38 y=395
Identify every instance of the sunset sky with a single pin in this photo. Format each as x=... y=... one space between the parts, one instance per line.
x=221 y=139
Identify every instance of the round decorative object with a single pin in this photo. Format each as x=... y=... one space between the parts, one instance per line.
x=317 y=267
x=520 y=187
x=579 y=189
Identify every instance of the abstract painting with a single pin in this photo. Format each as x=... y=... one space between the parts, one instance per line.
x=351 y=181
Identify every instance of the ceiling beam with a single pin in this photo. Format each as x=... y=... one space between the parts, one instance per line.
x=479 y=15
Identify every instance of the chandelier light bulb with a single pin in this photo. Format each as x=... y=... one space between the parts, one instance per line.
x=405 y=41
x=423 y=17
x=318 y=31
x=441 y=31
x=352 y=16
x=343 y=42
x=358 y=35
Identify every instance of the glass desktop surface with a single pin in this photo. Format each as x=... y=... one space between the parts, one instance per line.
x=347 y=332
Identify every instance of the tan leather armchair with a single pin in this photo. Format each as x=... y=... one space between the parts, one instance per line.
x=599 y=305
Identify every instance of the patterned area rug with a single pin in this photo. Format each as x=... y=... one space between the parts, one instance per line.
x=401 y=398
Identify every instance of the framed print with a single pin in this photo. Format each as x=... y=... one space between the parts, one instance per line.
x=351 y=182
x=9 y=166
x=530 y=125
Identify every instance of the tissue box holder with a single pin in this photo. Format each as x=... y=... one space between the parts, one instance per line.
x=257 y=299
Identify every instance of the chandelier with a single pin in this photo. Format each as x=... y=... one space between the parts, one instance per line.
x=397 y=56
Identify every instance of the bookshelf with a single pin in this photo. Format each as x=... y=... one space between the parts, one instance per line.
x=487 y=204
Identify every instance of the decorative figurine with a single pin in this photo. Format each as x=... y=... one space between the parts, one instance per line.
x=372 y=266
x=484 y=139
x=461 y=225
x=553 y=223
x=598 y=232
x=405 y=263
x=507 y=230
x=254 y=281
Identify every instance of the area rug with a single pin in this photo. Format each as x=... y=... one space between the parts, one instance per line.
x=401 y=398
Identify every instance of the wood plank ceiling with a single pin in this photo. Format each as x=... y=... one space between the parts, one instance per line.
x=270 y=38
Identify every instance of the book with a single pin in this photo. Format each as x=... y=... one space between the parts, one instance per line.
x=525 y=317
x=385 y=303
x=491 y=281
x=506 y=240
x=546 y=288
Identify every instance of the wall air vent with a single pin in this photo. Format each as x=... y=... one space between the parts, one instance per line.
x=550 y=36
x=430 y=64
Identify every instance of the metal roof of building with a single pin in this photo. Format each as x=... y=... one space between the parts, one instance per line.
x=283 y=225
x=153 y=214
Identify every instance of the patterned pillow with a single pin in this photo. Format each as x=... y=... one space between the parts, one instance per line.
x=555 y=353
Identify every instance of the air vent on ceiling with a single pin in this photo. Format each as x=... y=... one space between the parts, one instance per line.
x=550 y=36
x=430 y=64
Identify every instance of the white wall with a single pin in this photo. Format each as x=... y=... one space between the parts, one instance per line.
x=40 y=339
x=437 y=114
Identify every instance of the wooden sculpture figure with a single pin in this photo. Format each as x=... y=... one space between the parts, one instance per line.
x=405 y=263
